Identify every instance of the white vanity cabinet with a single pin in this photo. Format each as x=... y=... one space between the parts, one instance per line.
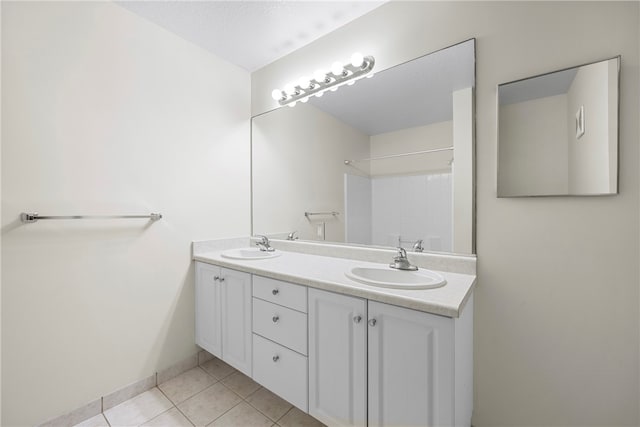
x=223 y=314
x=337 y=358
x=387 y=364
x=410 y=367
x=280 y=339
x=347 y=361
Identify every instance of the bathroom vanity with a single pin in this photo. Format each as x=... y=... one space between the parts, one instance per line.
x=343 y=351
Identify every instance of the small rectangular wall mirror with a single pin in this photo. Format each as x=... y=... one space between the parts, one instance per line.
x=558 y=133
x=373 y=163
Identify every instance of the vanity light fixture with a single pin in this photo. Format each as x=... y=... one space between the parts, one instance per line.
x=321 y=81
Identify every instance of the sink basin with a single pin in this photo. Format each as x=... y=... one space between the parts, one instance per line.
x=397 y=279
x=249 y=253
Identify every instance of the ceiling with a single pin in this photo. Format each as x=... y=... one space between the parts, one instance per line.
x=250 y=34
x=551 y=84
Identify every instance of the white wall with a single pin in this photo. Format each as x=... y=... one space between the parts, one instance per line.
x=428 y=137
x=105 y=113
x=298 y=166
x=557 y=319
x=534 y=147
x=463 y=169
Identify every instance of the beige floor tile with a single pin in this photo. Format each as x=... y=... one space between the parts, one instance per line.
x=241 y=384
x=171 y=418
x=242 y=415
x=139 y=409
x=182 y=387
x=297 y=418
x=269 y=404
x=97 y=421
x=217 y=368
x=209 y=404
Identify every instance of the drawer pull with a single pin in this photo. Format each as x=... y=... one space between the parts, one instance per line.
x=275 y=291
x=275 y=318
x=372 y=322
x=276 y=358
x=221 y=279
x=357 y=319
x=216 y=278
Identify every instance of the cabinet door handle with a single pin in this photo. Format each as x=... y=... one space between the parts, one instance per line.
x=216 y=278
x=275 y=318
x=357 y=319
x=221 y=279
x=275 y=292
x=372 y=322
x=276 y=358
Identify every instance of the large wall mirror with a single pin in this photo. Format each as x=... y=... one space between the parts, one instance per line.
x=385 y=162
x=558 y=133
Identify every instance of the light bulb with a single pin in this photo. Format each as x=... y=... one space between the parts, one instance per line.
x=357 y=60
x=369 y=75
x=293 y=104
x=319 y=76
x=304 y=82
x=319 y=94
x=333 y=89
x=303 y=100
x=276 y=94
x=337 y=68
x=290 y=89
x=351 y=82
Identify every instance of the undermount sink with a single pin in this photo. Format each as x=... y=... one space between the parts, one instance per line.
x=249 y=253
x=397 y=279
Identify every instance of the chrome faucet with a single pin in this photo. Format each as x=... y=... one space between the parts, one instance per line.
x=417 y=247
x=292 y=236
x=401 y=262
x=263 y=244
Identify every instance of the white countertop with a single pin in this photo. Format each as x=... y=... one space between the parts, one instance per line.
x=327 y=273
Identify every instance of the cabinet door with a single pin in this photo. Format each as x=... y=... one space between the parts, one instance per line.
x=410 y=367
x=337 y=358
x=236 y=319
x=208 y=315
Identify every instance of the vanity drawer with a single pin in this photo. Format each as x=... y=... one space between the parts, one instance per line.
x=279 y=292
x=280 y=324
x=282 y=371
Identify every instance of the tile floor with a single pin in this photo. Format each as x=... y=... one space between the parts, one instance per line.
x=212 y=394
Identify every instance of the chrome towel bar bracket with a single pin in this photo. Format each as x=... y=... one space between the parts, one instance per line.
x=309 y=214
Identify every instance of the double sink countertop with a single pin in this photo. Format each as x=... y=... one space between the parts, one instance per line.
x=328 y=273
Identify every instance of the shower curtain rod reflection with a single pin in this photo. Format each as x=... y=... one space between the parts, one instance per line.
x=435 y=150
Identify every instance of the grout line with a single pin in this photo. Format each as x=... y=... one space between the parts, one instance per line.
x=176 y=406
x=257 y=409
x=212 y=376
x=222 y=415
x=285 y=414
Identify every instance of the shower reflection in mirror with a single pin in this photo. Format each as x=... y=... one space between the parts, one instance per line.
x=558 y=132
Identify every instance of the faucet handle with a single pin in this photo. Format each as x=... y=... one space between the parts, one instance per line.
x=263 y=239
x=402 y=253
